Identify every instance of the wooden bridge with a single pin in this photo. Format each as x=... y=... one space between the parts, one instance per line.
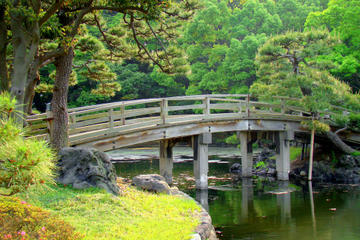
x=120 y=124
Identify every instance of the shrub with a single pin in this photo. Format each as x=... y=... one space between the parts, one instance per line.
x=354 y=121
x=19 y=220
x=23 y=162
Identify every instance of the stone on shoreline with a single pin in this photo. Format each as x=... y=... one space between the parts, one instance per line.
x=152 y=183
x=82 y=168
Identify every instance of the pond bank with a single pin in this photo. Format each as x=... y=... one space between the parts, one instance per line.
x=262 y=209
x=131 y=216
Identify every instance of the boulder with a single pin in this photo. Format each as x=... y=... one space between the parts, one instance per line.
x=83 y=168
x=265 y=154
x=345 y=170
x=152 y=183
x=348 y=161
x=235 y=168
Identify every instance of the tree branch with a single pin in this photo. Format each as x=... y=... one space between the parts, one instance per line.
x=140 y=45
x=84 y=64
x=341 y=129
x=57 y=4
x=51 y=55
x=102 y=32
x=159 y=40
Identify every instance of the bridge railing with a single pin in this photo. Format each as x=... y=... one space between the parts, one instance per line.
x=127 y=116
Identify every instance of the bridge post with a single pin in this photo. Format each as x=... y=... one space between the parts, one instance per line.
x=206 y=110
x=246 y=154
x=166 y=160
x=201 y=164
x=282 y=156
x=164 y=110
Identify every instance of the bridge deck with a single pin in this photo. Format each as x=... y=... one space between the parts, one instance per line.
x=119 y=124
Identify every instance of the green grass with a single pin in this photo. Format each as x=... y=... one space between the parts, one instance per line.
x=294 y=153
x=134 y=215
x=356 y=153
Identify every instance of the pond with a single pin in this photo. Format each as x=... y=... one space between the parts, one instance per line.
x=256 y=208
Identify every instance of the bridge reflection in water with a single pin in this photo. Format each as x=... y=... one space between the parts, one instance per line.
x=283 y=200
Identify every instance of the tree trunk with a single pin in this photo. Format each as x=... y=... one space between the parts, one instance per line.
x=336 y=140
x=20 y=68
x=59 y=131
x=25 y=45
x=32 y=80
x=4 y=78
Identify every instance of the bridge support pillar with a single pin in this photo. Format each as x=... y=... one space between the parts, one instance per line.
x=166 y=160
x=201 y=157
x=282 y=156
x=246 y=154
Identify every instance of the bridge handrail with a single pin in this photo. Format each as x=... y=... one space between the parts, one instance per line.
x=102 y=117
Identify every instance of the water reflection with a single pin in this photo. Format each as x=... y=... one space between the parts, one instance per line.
x=312 y=206
x=202 y=196
x=247 y=195
x=265 y=209
x=283 y=199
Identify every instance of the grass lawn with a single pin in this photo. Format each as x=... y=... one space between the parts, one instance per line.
x=294 y=153
x=134 y=215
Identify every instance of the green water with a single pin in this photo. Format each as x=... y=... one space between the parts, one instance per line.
x=261 y=208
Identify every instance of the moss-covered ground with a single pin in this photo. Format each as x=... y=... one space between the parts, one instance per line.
x=132 y=215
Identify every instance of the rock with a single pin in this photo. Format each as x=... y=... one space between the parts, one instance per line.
x=152 y=183
x=346 y=170
x=235 y=168
x=348 y=161
x=261 y=172
x=195 y=236
x=265 y=154
x=83 y=168
x=271 y=171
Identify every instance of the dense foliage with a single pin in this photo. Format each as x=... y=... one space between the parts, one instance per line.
x=288 y=65
x=23 y=162
x=220 y=44
x=20 y=220
x=342 y=18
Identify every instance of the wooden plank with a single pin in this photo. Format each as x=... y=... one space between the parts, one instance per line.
x=123 y=129
x=226 y=100
x=207 y=107
x=95 y=127
x=142 y=101
x=111 y=118
x=185 y=107
x=122 y=114
x=88 y=116
x=201 y=97
x=103 y=117
x=225 y=106
x=37 y=126
x=164 y=110
x=89 y=128
x=38 y=131
x=140 y=112
x=37 y=117
x=90 y=122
